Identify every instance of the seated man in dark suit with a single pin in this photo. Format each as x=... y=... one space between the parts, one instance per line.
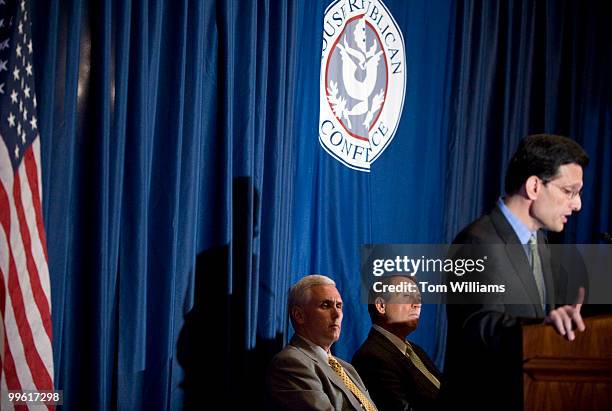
x=304 y=375
x=399 y=374
x=483 y=359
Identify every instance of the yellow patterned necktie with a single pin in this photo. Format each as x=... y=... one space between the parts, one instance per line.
x=419 y=364
x=337 y=367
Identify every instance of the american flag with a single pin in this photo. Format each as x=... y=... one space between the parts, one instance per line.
x=26 y=356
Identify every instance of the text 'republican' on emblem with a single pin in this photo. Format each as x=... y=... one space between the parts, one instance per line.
x=363 y=81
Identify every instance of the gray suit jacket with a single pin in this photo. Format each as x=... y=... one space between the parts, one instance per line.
x=299 y=378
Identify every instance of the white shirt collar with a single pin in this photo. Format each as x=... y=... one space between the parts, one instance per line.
x=318 y=350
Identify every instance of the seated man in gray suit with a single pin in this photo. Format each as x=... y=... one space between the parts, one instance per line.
x=399 y=374
x=304 y=375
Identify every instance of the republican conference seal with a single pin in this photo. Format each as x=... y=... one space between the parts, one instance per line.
x=363 y=81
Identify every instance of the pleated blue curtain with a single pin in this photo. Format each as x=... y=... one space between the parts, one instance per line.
x=167 y=129
x=521 y=68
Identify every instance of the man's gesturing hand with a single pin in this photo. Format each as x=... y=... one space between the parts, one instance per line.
x=564 y=318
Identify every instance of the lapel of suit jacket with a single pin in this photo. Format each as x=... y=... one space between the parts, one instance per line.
x=302 y=345
x=383 y=342
x=517 y=256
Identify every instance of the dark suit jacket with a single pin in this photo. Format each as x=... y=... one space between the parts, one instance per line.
x=483 y=356
x=393 y=381
x=300 y=379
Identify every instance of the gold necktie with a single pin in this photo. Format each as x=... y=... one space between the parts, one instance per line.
x=337 y=367
x=419 y=364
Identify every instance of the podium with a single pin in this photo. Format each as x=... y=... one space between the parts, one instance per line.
x=563 y=375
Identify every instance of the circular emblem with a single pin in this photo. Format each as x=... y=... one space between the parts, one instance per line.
x=363 y=81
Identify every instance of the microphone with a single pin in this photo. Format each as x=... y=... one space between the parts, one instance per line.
x=606 y=237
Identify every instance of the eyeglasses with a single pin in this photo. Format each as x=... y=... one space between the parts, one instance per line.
x=569 y=193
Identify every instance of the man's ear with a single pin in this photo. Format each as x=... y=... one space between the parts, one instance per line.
x=380 y=305
x=297 y=313
x=533 y=185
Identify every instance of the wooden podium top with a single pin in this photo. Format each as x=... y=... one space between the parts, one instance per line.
x=542 y=340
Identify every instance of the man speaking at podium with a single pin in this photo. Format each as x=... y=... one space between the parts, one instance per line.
x=543 y=184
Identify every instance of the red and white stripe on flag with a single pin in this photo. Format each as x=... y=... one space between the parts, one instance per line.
x=26 y=356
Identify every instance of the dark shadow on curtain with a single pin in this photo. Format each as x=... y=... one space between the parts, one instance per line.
x=212 y=345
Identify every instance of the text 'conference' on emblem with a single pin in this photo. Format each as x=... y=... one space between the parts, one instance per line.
x=363 y=81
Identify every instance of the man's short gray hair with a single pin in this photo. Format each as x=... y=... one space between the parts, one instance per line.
x=298 y=293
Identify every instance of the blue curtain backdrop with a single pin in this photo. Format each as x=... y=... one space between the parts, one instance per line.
x=185 y=189
x=527 y=67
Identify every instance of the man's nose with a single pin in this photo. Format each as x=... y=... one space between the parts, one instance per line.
x=577 y=203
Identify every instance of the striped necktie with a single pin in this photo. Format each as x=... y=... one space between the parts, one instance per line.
x=337 y=367
x=414 y=358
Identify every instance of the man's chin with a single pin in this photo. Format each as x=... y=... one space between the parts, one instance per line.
x=413 y=322
x=335 y=336
x=557 y=228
